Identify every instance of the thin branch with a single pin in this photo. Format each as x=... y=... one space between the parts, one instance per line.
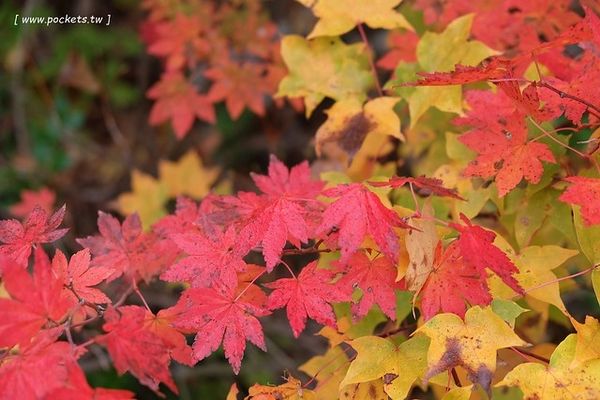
x=455 y=377
x=524 y=353
x=363 y=36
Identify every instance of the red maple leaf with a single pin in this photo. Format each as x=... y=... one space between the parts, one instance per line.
x=377 y=280
x=223 y=315
x=495 y=68
x=359 y=212
x=30 y=199
x=77 y=388
x=478 y=250
x=126 y=250
x=308 y=295
x=403 y=48
x=179 y=101
x=186 y=218
x=451 y=283
x=35 y=300
x=585 y=192
x=178 y=40
x=427 y=185
x=208 y=259
x=40 y=366
x=39 y=227
x=504 y=152
x=79 y=277
x=286 y=212
x=161 y=325
x=135 y=348
x=240 y=85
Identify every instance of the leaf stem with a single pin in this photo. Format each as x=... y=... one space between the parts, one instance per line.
x=525 y=354
x=363 y=36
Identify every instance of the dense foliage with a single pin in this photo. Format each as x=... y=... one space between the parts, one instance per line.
x=451 y=215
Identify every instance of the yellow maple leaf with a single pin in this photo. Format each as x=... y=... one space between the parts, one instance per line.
x=328 y=370
x=147 y=197
x=399 y=366
x=187 y=176
x=349 y=124
x=560 y=379
x=338 y=17
x=471 y=344
x=588 y=339
x=291 y=390
x=324 y=67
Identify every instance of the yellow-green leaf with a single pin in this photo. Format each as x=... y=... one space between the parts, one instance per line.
x=187 y=176
x=147 y=197
x=324 y=67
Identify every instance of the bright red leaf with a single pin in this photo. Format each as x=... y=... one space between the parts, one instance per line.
x=504 y=153
x=39 y=227
x=585 y=192
x=30 y=199
x=223 y=315
x=359 y=212
x=403 y=48
x=135 y=348
x=307 y=296
x=35 y=300
x=161 y=325
x=80 y=277
x=376 y=279
x=451 y=283
x=39 y=367
x=478 y=250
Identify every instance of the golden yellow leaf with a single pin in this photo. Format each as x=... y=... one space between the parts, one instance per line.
x=459 y=393
x=147 y=197
x=588 y=339
x=471 y=343
x=187 y=176
x=328 y=370
x=338 y=17
x=561 y=379
x=324 y=67
x=291 y=390
x=372 y=390
x=399 y=366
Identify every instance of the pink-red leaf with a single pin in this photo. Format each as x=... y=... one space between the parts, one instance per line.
x=585 y=192
x=307 y=296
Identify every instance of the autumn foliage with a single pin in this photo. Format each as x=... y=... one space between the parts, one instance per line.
x=465 y=184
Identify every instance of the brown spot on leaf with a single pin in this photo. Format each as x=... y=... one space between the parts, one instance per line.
x=351 y=136
x=389 y=378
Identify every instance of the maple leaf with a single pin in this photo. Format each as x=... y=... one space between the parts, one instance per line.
x=40 y=366
x=359 y=212
x=560 y=379
x=324 y=67
x=178 y=40
x=585 y=193
x=478 y=250
x=147 y=198
x=471 y=343
x=285 y=212
x=398 y=365
x=349 y=123
x=126 y=250
x=337 y=18
x=451 y=283
x=187 y=214
x=308 y=295
x=403 y=48
x=223 y=315
x=208 y=260
x=39 y=227
x=135 y=348
x=421 y=244
x=77 y=388
x=161 y=325
x=78 y=276
x=427 y=185
x=504 y=152
x=30 y=199
x=377 y=280
x=187 y=176
x=239 y=85
x=35 y=300
x=291 y=390
x=178 y=100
